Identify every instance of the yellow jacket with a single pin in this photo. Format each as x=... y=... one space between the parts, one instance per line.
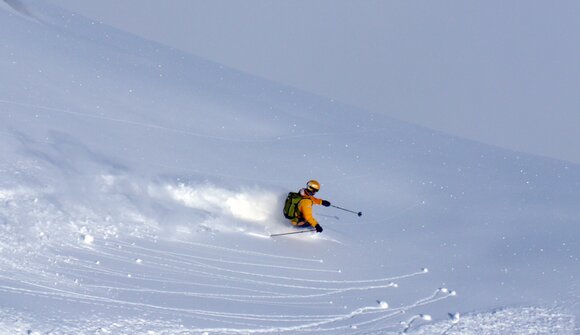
x=305 y=209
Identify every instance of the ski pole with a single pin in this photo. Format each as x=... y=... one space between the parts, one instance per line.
x=347 y=210
x=294 y=232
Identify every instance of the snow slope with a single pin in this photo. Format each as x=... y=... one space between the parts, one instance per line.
x=139 y=185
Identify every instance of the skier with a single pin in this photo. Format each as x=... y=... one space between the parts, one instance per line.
x=303 y=210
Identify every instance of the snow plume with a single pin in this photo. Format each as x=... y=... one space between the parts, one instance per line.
x=252 y=205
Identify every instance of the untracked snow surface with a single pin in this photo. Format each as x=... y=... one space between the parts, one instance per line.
x=139 y=187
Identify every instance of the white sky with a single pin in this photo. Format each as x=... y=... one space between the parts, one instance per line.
x=501 y=72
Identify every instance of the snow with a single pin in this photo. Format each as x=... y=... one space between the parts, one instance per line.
x=139 y=187
x=522 y=320
x=383 y=304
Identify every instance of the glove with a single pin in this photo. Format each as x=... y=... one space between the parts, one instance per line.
x=318 y=228
x=325 y=203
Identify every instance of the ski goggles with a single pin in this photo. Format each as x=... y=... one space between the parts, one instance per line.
x=312 y=190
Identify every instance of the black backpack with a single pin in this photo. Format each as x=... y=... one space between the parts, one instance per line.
x=291 y=206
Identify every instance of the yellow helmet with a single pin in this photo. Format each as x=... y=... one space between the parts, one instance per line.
x=313 y=186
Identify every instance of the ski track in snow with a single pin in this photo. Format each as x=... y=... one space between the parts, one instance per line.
x=85 y=264
x=170 y=279
x=66 y=282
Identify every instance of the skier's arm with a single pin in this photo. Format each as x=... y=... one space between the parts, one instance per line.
x=322 y=202
x=316 y=201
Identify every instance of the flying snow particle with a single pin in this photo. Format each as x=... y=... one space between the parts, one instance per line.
x=138 y=260
x=425 y=270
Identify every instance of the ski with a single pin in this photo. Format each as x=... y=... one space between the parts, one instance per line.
x=294 y=232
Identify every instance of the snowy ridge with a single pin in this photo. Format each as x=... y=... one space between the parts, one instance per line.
x=15 y=7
